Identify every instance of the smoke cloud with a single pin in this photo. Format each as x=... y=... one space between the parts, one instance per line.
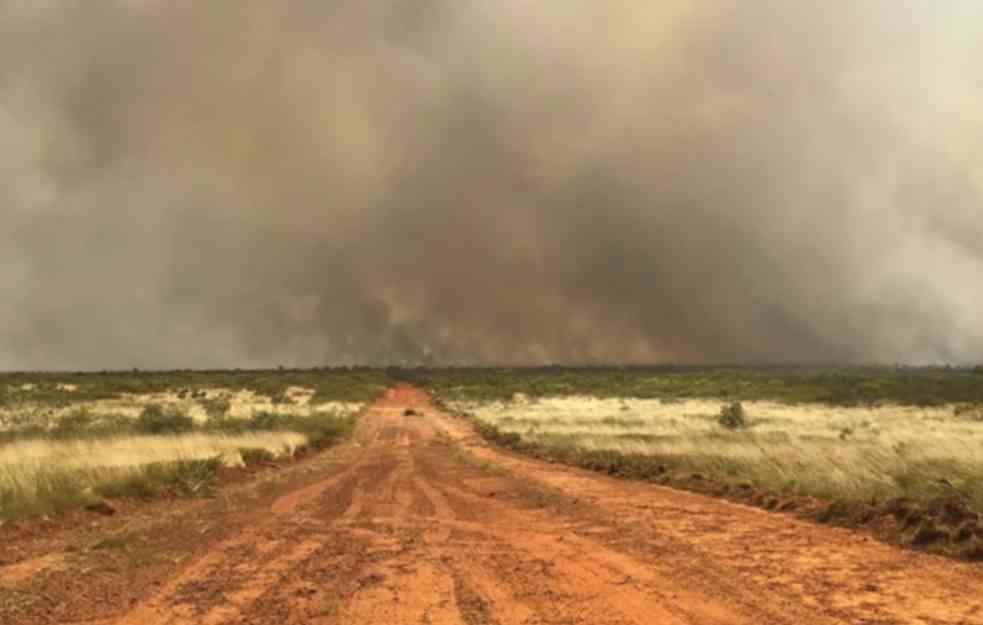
x=252 y=183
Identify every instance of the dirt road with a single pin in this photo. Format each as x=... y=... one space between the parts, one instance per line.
x=424 y=524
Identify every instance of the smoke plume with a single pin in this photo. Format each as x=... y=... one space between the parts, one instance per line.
x=250 y=183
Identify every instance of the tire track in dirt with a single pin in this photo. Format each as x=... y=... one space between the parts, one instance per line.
x=745 y=553
x=223 y=583
x=428 y=525
x=514 y=564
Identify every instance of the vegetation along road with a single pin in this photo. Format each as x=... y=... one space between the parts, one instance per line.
x=417 y=520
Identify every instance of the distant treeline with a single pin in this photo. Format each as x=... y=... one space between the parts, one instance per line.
x=923 y=386
x=833 y=385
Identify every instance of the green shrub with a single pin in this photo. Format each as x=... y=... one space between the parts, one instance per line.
x=323 y=432
x=269 y=422
x=189 y=478
x=74 y=424
x=194 y=477
x=216 y=408
x=134 y=486
x=252 y=456
x=157 y=420
x=732 y=416
x=498 y=436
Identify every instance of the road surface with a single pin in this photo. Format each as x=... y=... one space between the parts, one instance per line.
x=422 y=523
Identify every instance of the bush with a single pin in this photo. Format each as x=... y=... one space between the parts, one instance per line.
x=269 y=422
x=73 y=424
x=323 y=433
x=135 y=486
x=492 y=433
x=252 y=456
x=215 y=408
x=323 y=429
x=190 y=478
x=732 y=416
x=156 y=420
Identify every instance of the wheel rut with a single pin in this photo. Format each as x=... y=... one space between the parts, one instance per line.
x=428 y=525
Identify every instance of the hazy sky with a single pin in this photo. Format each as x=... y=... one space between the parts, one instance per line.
x=250 y=183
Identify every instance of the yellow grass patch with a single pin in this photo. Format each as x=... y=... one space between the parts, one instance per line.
x=37 y=475
x=852 y=452
x=243 y=404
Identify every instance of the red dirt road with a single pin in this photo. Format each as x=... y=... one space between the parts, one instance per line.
x=424 y=524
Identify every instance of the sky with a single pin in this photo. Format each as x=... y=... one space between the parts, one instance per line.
x=264 y=183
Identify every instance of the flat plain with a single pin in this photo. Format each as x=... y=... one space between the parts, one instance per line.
x=493 y=496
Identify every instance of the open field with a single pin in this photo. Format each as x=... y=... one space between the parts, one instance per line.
x=832 y=452
x=68 y=441
x=412 y=514
x=914 y=474
x=863 y=435
x=865 y=443
x=418 y=520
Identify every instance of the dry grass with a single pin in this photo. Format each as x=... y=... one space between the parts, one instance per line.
x=854 y=453
x=199 y=405
x=42 y=476
x=21 y=459
x=55 y=457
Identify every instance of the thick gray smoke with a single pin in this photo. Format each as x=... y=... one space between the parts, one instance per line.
x=262 y=182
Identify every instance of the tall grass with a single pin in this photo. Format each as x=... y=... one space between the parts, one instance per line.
x=49 y=476
x=848 y=453
x=67 y=440
x=70 y=457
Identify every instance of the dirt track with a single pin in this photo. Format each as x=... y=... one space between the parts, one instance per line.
x=423 y=524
